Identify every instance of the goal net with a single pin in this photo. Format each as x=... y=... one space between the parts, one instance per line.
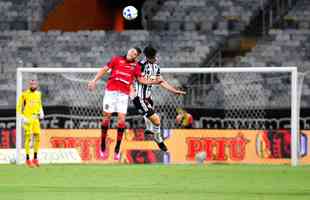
x=217 y=98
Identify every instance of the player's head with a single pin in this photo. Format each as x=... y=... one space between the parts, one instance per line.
x=133 y=53
x=33 y=85
x=150 y=54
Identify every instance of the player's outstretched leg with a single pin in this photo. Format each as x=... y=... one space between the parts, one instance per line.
x=148 y=126
x=159 y=139
x=104 y=131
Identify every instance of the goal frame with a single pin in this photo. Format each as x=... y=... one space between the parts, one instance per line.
x=295 y=107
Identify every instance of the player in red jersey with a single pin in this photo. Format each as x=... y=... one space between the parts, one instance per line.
x=124 y=70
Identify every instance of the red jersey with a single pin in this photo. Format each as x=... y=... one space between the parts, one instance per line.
x=123 y=73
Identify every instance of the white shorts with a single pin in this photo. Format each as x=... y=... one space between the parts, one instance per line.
x=115 y=101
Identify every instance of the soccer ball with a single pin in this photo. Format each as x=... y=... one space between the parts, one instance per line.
x=130 y=13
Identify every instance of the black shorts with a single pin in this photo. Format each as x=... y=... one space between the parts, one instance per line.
x=144 y=106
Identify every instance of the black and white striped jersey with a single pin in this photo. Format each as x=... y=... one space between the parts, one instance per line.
x=149 y=71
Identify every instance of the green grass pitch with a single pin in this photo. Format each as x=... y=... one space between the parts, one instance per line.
x=162 y=182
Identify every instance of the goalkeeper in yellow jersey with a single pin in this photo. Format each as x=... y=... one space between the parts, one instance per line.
x=29 y=106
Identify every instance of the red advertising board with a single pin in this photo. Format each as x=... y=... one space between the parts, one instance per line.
x=221 y=146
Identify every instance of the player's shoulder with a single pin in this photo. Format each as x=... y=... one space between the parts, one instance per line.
x=26 y=92
x=142 y=62
x=145 y=62
x=138 y=66
x=119 y=57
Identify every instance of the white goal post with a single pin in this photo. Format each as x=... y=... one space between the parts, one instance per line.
x=294 y=119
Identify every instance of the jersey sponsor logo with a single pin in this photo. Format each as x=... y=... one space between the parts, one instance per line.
x=123 y=73
x=131 y=67
x=124 y=77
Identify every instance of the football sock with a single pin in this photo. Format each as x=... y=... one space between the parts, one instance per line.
x=120 y=133
x=162 y=146
x=159 y=138
x=104 y=131
x=148 y=132
x=157 y=134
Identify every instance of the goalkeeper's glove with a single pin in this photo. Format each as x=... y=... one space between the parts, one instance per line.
x=41 y=114
x=24 y=119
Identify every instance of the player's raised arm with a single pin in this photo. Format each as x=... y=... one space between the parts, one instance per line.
x=170 y=88
x=99 y=75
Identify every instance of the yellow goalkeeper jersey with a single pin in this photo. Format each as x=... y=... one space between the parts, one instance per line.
x=29 y=103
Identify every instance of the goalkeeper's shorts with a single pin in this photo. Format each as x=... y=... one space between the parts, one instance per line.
x=32 y=126
x=144 y=106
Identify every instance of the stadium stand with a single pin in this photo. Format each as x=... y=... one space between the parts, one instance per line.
x=282 y=48
x=25 y=15
x=187 y=33
x=90 y=49
x=299 y=16
x=81 y=49
x=218 y=14
x=200 y=15
x=286 y=45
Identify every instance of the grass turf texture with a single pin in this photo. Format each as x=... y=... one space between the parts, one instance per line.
x=216 y=182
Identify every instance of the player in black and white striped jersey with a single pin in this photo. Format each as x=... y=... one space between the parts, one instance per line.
x=143 y=95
